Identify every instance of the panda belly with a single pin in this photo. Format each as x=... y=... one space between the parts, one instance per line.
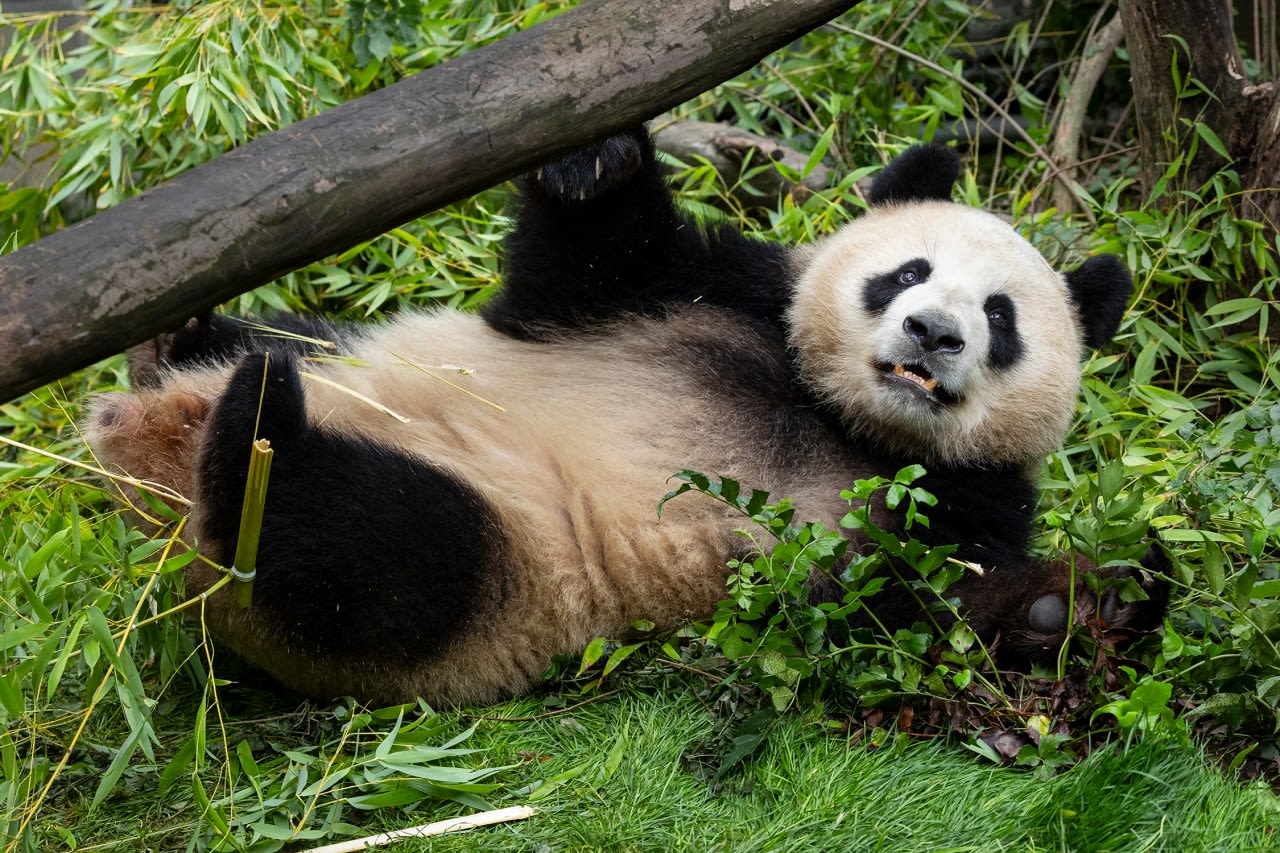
x=572 y=443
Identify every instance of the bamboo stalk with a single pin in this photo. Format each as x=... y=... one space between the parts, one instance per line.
x=255 y=500
x=440 y=827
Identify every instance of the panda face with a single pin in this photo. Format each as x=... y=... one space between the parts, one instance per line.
x=939 y=332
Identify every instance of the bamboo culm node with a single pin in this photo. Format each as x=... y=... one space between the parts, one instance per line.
x=255 y=499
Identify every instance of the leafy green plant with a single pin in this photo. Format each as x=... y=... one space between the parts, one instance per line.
x=1146 y=707
x=1045 y=750
x=793 y=649
x=304 y=793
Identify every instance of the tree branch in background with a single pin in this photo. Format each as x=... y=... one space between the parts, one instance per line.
x=1066 y=139
x=728 y=148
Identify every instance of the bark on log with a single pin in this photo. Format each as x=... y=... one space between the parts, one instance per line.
x=321 y=185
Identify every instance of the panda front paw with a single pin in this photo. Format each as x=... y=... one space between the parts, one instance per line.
x=1121 y=613
x=595 y=170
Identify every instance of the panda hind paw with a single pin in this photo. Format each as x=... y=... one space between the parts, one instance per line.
x=595 y=170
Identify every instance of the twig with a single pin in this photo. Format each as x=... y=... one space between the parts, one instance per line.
x=440 y=378
x=712 y=677
x=315 y=377
x=160 y=491
x=440 y=827
x=971 y=88
x=1066 y=139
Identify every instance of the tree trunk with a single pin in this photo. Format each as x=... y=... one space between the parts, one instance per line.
x=1246 y=118
x=322 y=185
x=1256 y=137
x=1153 y=29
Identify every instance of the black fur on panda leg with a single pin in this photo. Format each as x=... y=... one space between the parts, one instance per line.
x=1019 y=608
x=366 y=553
x=595 y=229
x=599 y=237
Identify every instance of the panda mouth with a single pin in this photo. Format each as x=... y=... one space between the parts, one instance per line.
x=918 y=378
x=917 y=375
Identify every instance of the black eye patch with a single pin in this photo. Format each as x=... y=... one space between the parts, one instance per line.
x=1006 y=344
x=884 y=288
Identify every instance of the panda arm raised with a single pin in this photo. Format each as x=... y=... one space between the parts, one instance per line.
x=600 y=236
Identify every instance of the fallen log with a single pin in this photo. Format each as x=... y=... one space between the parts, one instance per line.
x=319 y=186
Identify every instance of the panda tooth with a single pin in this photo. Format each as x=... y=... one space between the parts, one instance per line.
x=930 y=384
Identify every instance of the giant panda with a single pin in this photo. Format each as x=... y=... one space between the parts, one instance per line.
x=456 y=498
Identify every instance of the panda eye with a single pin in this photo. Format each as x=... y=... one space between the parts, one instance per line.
x=879 y=291
x=1006 y=345
x=999 y=310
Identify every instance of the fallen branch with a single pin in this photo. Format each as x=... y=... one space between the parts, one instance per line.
x=440 y=827
x=727 y=148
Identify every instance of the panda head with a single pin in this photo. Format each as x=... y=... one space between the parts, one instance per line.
x=939 y=333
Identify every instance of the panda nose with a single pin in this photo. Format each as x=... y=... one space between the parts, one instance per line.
x=934 y=332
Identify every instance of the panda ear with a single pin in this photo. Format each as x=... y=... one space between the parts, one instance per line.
x=1100 y=289
x=921 y=173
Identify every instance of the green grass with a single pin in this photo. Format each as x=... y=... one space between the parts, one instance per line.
x=809 y=790
x=615 y=774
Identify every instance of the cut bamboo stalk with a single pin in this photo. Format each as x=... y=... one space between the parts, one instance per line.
x=245 y=567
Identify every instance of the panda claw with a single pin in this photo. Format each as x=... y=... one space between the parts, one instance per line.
x=587 y=174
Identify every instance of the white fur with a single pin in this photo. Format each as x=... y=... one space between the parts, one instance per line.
x=570 y=442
